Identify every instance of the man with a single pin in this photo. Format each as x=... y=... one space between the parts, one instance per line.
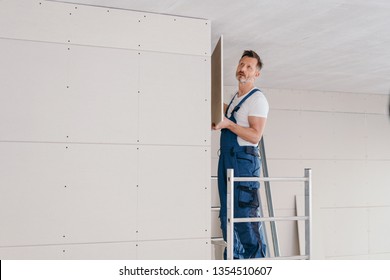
x=241 y=131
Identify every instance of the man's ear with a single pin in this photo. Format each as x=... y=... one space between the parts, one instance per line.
x=257 y=74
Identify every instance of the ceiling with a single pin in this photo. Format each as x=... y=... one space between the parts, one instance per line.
x=325 y=45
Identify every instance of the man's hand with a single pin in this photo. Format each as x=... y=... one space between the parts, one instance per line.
x=225 y=123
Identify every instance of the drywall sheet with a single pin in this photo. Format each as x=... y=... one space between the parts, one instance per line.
x=79 y=94
x=187 y=249
x=217 y=83
x=173 y=193
x=174 y=115
x=67 y=193
x=97 y=251
x=97 y=26
x=105 y=118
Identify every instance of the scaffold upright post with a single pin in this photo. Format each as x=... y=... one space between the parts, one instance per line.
x=230 y=214
x=308 y=222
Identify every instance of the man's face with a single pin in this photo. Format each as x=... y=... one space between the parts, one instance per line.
x=247 y=70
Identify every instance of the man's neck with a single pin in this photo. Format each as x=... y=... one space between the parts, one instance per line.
x=244 y=88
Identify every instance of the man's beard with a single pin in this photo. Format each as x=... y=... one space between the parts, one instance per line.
x=243 y=80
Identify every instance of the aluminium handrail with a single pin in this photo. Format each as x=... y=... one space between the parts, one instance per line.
x=230 y=211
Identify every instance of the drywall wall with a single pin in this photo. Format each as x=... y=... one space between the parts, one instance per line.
x=344 y=138
x=105 y=139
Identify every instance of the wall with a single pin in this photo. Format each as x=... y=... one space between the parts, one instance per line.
x=102 y=125
x=344 y=138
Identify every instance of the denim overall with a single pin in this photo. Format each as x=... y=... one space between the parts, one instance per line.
x=245 y=160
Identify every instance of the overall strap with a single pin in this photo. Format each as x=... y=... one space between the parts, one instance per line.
x=227 y=108
x=243 y=100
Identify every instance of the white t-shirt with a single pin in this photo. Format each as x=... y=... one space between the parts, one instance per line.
x=256 y=105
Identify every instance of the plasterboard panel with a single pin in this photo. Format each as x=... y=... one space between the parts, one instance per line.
x=173 y=193
x=323 y=181
x=283 y=193
x=102 y=102
x=175 y=34
x=350 y=184
x=75 y=193
x=33 y=91
x=185 y=71
x=102 y=251
x=39 y=20
x=214 y=166
x=101 y=193
x=317 y=101
x=35 y=20
x=378 y=181
x=98 y=26
x=379 y=230
x=349 y=102
x=300 y=206
x=317 y=138
x=284 y=128
x=385 y=256
x=377 y=104
x=215 y=140
x=32 y=180
x=350 y=136
x=283 y=98
x=214 y=193
x=217 y=113
x=345 y=231
x=287 y=234
x=354 y=257
x=215 y=225
x=166 y=109
x=378 y=137
x=188 y=249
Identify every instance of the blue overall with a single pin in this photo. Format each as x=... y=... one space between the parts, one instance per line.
x=248 y=237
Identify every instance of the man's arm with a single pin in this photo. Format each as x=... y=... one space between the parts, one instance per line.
x=252 y=134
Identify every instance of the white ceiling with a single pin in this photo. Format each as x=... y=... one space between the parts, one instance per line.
x=325 y=45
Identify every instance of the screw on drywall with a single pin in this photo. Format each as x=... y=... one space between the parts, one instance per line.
x=63 y=251
x=108 y=11
x=70 y=14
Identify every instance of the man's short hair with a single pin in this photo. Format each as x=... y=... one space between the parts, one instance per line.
x=253 y=54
